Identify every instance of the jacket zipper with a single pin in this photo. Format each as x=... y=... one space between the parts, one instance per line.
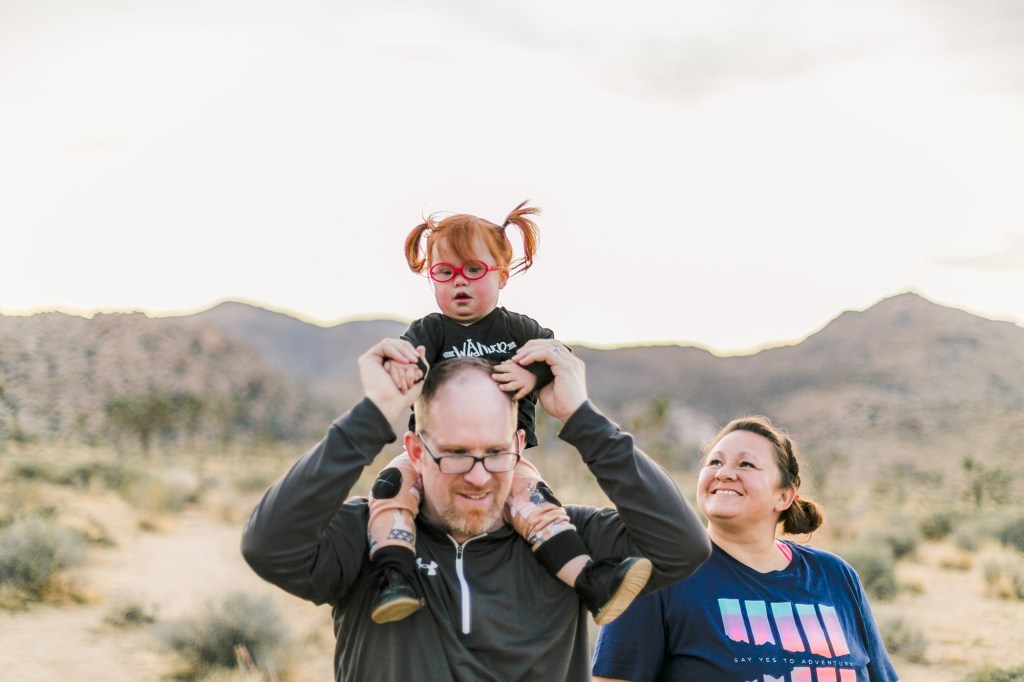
x=463 y=585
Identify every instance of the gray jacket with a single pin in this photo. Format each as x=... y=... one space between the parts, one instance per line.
x=492 y=612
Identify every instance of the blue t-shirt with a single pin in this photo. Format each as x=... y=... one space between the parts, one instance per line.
x=809 y=622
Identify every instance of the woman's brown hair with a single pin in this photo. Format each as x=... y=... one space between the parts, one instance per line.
x=803 y=516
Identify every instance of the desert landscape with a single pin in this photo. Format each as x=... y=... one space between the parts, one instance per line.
x=155 y=560
x=121 y=510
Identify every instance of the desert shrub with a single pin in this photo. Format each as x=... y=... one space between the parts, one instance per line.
x=957 y=561
x=33 y=553
x=1003 y=572
x=876 y=566
x=1006 y=527
x=160 y=495
x=901 y=540
x=253 y=481
x=127 y=614
x=208 y=641
x=1012 y=534
x=937 y=526
x=904 y=639
x=32 y=471
x=988 y=673
x=112 y=476
x=975 y=531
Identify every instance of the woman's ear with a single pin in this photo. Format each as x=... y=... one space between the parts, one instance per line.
x=786 y=498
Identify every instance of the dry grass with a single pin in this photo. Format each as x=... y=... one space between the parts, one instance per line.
x=157 y=561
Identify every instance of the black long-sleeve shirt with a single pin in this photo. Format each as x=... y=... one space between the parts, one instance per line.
x=497 y=336
x=492 y=611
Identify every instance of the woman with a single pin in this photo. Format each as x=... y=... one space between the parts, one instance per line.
x=760 y=608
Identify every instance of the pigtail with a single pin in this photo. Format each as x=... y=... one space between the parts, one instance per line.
x=416 y=256
x=520 y=217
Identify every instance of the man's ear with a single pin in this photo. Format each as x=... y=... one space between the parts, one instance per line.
x=520 y=439
x=414 y=449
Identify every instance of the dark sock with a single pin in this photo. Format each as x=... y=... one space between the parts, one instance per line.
x=398 y=558
x=557 y=551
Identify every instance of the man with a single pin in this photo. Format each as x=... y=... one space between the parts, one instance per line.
x=492 y=611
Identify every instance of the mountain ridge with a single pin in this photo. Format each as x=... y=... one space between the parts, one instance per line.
x=897 y=382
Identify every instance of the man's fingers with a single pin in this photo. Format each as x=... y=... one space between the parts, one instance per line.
x=544 y=350
x=404 y=363
x=399 y=349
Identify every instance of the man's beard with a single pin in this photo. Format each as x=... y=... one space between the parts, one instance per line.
x=473 y=523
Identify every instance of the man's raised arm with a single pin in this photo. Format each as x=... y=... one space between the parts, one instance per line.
x=651 y=516
x=286 y=540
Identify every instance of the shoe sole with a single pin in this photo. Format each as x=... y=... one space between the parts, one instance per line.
x=396 y=609
x=635 y=579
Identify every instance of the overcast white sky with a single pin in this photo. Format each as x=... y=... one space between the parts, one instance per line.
x=726 y=174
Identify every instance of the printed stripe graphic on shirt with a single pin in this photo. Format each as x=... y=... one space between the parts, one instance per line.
x=732 y=618
x=786 y=623
x=835 y=630
x=804 y=674
x=827 y=675
x=760 y=628
x=754 y=626
x=812 y=628
x=472 y=349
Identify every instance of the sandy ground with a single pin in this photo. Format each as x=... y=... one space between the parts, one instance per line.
x=192 y=558
x=964 y=627
x=172 y=572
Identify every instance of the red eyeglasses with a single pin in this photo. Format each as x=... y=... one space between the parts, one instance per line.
x=472 y=270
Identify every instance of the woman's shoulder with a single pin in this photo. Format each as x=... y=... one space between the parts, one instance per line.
x=818 y=556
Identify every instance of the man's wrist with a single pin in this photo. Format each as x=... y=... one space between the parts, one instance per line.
x=575 y=419
x=373 y=417
x=390 y=410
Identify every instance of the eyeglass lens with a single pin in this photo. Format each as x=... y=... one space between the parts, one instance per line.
x=443 y=272
x=495 y=464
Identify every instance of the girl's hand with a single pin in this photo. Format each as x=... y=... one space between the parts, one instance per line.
x=406 y=374
x=379 y=385
x=514 y=378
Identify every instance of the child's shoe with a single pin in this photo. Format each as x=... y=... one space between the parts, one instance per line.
x=396 y=596
x=607 y=588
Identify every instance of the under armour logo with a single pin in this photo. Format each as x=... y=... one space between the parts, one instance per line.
x=430 y=568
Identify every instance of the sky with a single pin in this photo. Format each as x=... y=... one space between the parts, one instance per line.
x=731 y=175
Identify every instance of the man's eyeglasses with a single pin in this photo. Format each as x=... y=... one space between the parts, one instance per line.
x=498 y=463
x=474 y=269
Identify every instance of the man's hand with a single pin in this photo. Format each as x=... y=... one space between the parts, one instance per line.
x=378 y=369
x=568 y=391
x=515 y=379
x=403 y=374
